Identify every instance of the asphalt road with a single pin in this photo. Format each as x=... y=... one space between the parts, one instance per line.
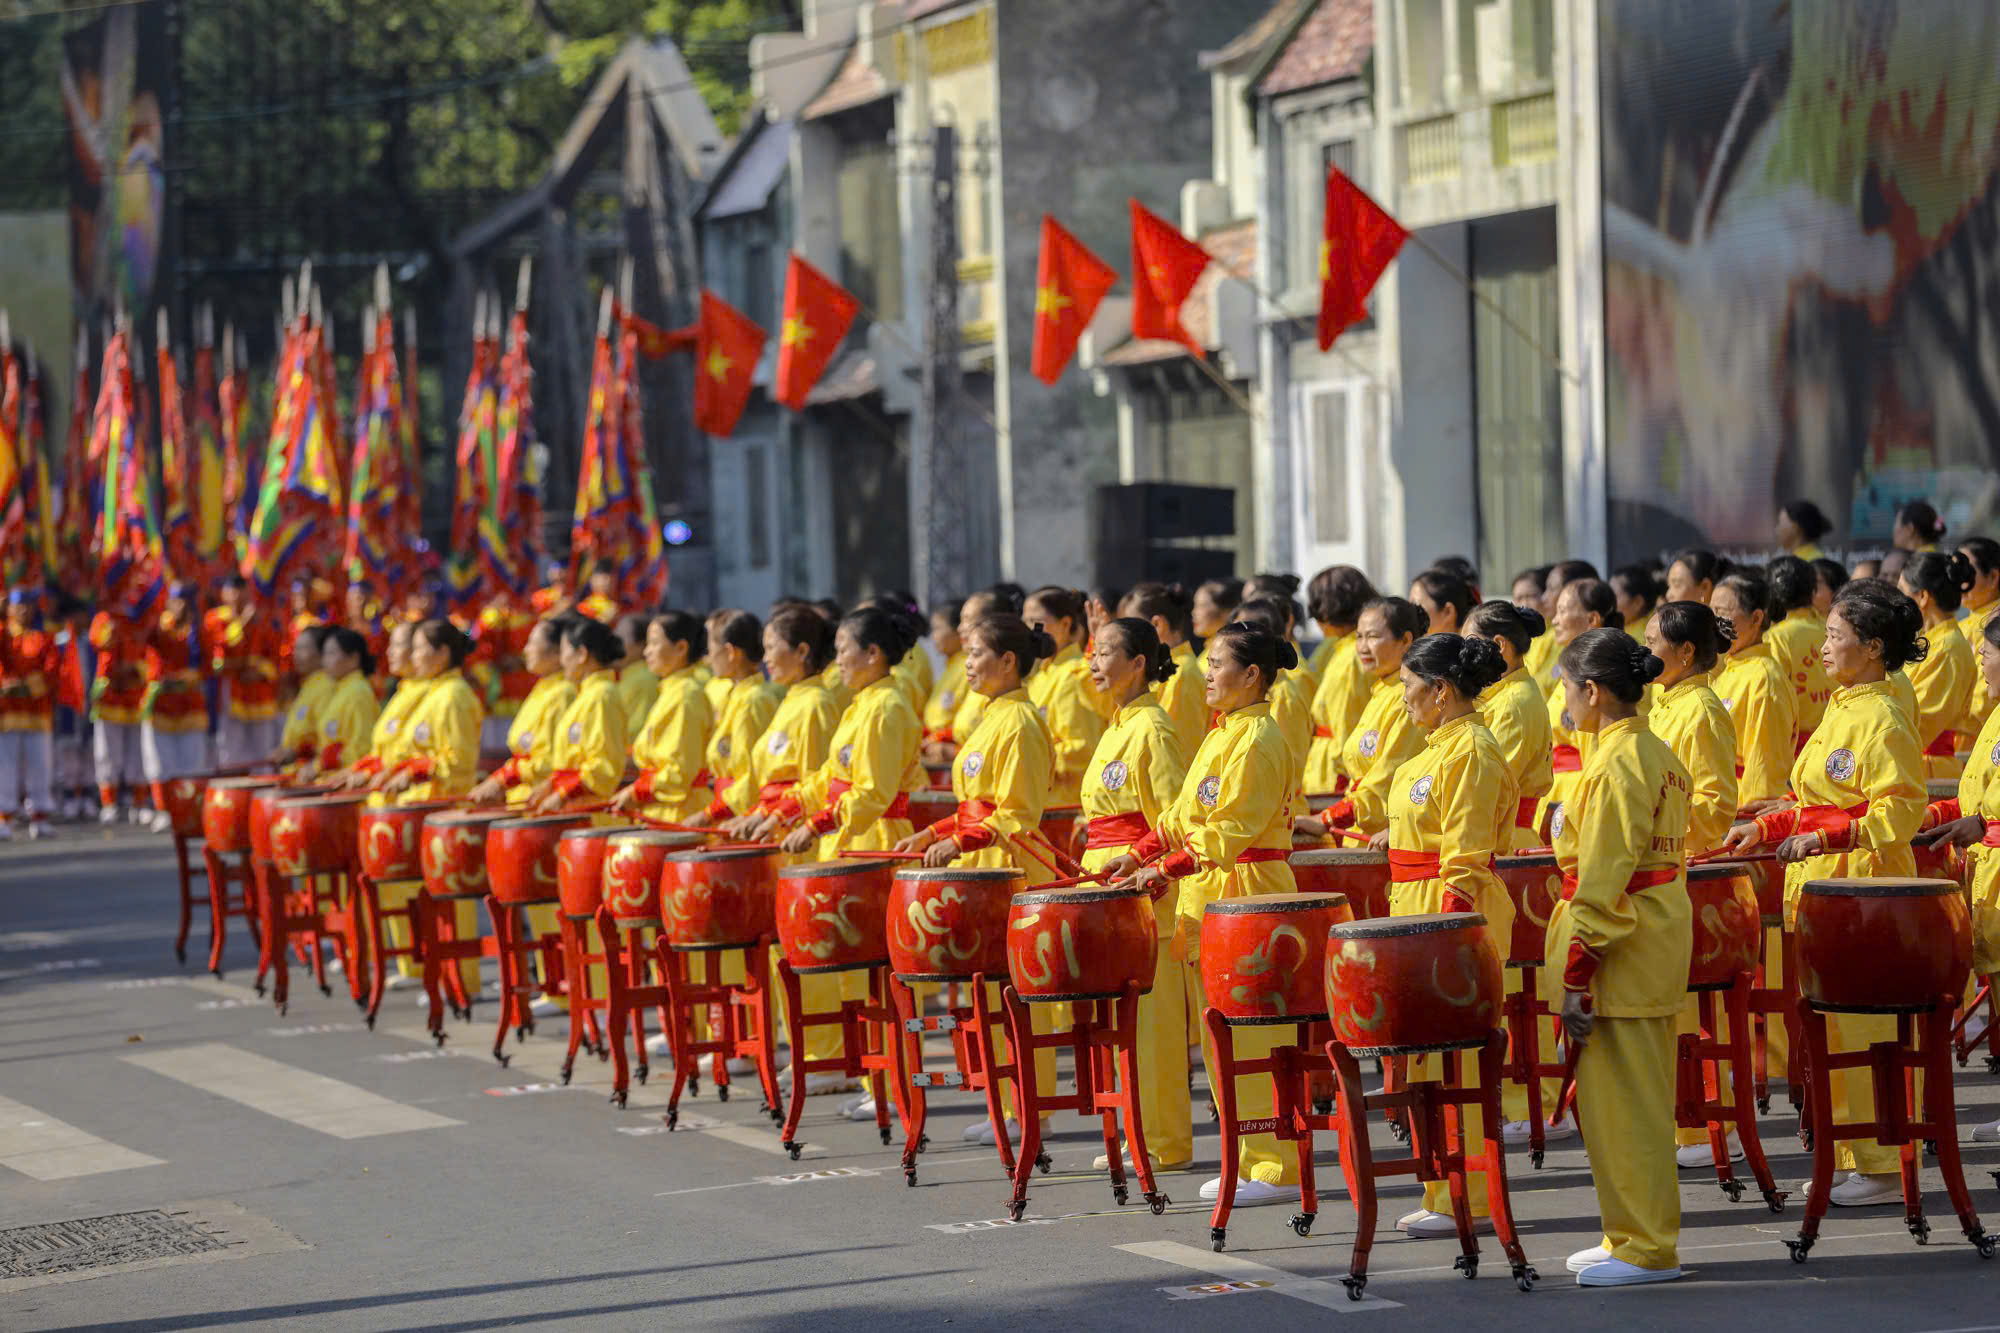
x=301 y=1171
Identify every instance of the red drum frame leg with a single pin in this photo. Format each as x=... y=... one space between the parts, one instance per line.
x=741 y=1028
x=1526 y=1017
x=585 y=1005
x=1781 y=1001
x=1698 y=1099
x=1104 y=1043
x=1922 y=1045
x=223 y=904
x=371 y=924
x=873 y=1043
x=1437 y=1152
x=1294 y=1119
x=303 y=912
x=629 y=991
x=439 y=947
x=185 y=865
x=976 y=1068
x=1985 y=999
x=516 y=945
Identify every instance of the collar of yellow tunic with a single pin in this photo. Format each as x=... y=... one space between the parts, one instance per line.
x=1394 y=680
x=1182 y=652
x=1624 y=726
x=687 y=671
x=1519 y=673
x=1852 y=693
x=1801 y=613
x=1444 y=731
x=1019 y=692
x=1945 y=626
x=1246 y=714
x=443 y=677
x=887 y=682
x=1146 y=700
x=1761 y=648
x=603 y=678
x=1685 y=685
x=1066 y=654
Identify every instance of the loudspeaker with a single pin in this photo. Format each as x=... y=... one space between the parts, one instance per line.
x=1138 y=529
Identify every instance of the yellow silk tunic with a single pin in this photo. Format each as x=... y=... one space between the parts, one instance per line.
x=874 y=751
x=1865 y=750
x=1185 y=697
x=1513 y=711
x=668 y=749
x=637 y=688
x=1795 y=643
x=1138 y=767
x=1763 y=706
x=302 y=721
x=1943 y=684
x=590 y=739
x=441 y=739
x=1337 y=704
x=1008 y=760
x=746 y=710
x=793 y=744
x=1381 y=741
x=1235 y=798
x=942 y=706
x=1454 y=799
x=346 y=721
x=1058 y=690
x=531 y=735
x=1692 y=721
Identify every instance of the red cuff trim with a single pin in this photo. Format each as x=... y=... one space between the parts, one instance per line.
x=370 y=764
x=566 y=783
x=1453 y=902
x=1338 y=815
x=824 y=821
x=1777 y=825
x=1581 y=967
x=1179 y=865
x=1149 y=847
x=642 y=790
x=1941 y=812
x=509 y=773
x=1835 y=829
x=973 y=837
x=329 y=756
x=788 y=809
x=719 y=809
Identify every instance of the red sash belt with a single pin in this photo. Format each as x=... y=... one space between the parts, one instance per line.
x=1252 y=855
x=1992 y=838
x=702 y=779
x=1413 y=867
x=1645 y=879
x=1524 y=812
x=1567 y=759
x=1116 y=830
x=1944 y=747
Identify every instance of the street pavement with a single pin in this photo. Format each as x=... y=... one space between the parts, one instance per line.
x=191 y=1159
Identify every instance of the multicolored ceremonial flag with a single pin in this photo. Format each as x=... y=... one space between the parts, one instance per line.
x=374 y=497
x=127 y=544
x=13 y=536
x=204 y=428
x=818 y=314
x=1359 y=241
x=643 y=573
x=73 y=528
x=475 y=528
x=601 y=485
x=519 y=470
x=300 y=502
x=728 y=344
x=1069 y=283
x=1165 y=267
x=177 y=472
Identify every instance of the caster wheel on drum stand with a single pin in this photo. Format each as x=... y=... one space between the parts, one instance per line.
x=565 y=1075
x=260 y=988
x=1467 y=1264
x=371 y=1022
x=438 y=1036
x=1535 y=1160
x=1734 y=1189
x=1043 y=1162
x=618 y=1100
x=1016 y=1210
x=640 y=1074
x=1982 y=1242
x=1355 y=1286
x=910 y=1177
x=1775 y=1200
x=1799 y=1248
x=1324 y=1106
x=673 y=1119
x=722 y=1093
x=1920 y=1229
x=1120 y=1194
x=1763 y=1106
x=1525 y=1276
x=924 y=1143
x=885 y=1137
x=1157 y=1203
x=1400 y=1132
x=284 y=1009
x=326 y=991
x=793 y=1149
x=180 y=955
x=502 y=1057
x=1302 y=1223
x=1993 y=1064
x=1216 y=1236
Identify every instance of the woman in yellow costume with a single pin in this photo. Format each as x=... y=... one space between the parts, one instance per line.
x=531 y=733
x=1756 y=689
x=1334 y=599
x=1168 y=608
x=1943 y=678
x=1796 y=630
x=588 y=757
x=670 y=745
x=735 y=651
x=1060 y=688
x=1513 y=710
x=1382 y=738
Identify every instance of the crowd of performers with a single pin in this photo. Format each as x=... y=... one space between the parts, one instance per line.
x=1629 y=722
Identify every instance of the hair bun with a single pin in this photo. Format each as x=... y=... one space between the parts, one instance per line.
x=1646 y=666
x=1533 y=621
x=1288 y=656
x=1725 y=630
x=1479 y=665
x=1045 y=645
x=1961 y=571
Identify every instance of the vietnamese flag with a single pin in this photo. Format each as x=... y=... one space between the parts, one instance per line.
x=1165 y=267
x=1359 y=242
x=818 y=314
x=1069 y=282
x=726 y=352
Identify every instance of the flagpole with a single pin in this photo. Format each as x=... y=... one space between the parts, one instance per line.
x=1505 y=318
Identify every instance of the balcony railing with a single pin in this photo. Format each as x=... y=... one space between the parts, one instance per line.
x=1524 y=130
x=1430 y=150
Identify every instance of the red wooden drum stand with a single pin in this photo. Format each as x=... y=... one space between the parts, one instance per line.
x=579 y=886
x=521 y=871
x=1263 y=962
x=630 y=866
x=1094 y=948
x=308 y=894
x=714 y=903
x=232 y=881
x=1886 y=946
x=1774 y=990
x=452 y=852
x=832 y=916
x=182 y=800
x=948 y=926
x=1361 y=875
x=1728 y=929
x=1534 y=884
x=390 y=852
x=1414 y=985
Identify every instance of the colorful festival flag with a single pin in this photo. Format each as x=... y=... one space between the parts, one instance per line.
x=818 y=314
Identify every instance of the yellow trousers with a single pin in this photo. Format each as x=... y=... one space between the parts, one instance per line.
x=1513 y=1093
x=1043 y=1020
x=1167 y=1027
x=1625 y=1097
x=1472 y=1129
x=1854 y=1092
x=397 y=894
x=1777 y=1045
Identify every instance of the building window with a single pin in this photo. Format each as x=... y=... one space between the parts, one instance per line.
x=756 y=507
x=1328 y=423
x=1309 y=212
x=1421 y=86
x=870 y=230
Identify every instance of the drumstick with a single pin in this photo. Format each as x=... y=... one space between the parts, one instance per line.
x=851 y=855
x=1071 y=882
x=1723 y=854
x=1350 y=835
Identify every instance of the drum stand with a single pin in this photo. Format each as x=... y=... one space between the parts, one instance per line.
x=872 y=1043
x=1962 y=1048
x=1104 y=1043
x=1437 y=1152
x=976 y=1068
x=1922 y=1045
x=223 y=904
x=436 y=920
x=739 y=1017
x=183 y=842
x=1525 y=1014
x=1292 y=1069
x=298 y=911
x=627 y=991
x=371 y=919
x=514 y=943
x=1698 y=1101
x=585 y=1004
x=1781 y=1002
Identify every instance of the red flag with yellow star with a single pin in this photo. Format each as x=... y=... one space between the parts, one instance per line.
x=1165 y=267
x=1360 y=241
x=1069 y=282
x=818 y=314
x=726 y=353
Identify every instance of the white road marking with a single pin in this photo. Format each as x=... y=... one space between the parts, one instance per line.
x=989 y=1224
x=289 y=1093
x=44 y=1148
x=1313 y=1291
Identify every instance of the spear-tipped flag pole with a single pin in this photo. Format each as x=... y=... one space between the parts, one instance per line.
x=597 y=470
x=13 y=537
x=518 y=506
x=127 y=542
x=1070 y=281
x=211 y=529
x=73 y=532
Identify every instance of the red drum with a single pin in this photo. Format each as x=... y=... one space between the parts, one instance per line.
x=225 y=811
x=1321 y=803
x=1940 y=789
x=1410 y=984
x=316 y=835
x=1727 y=924
x=950 y=924
x=580 y=869
x=1883 y=946
x=1359 y=874
x=1080 y=944
x=264 y=808
x=183 y=797
x=937 y=777
x=392 y=840
x=635 y=863
x=1535 y=885
x=1059 y=825
x=833 y=916
x=1263 y=958
x=521 y=856
x=724 y=898
x=928 y=807
x=453 y=852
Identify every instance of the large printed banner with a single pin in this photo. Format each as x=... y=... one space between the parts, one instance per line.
x=115 y=79
x=1802 y=251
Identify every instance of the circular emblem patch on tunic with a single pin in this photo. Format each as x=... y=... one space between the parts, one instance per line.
x=847 y=756
x=1420 y=790
x=1369 y=740
x=299 y=713
x=1729 y=704
x=1555 y=820
x=973 y=763
x=575 y=733
x=392 y=726
x=1114 y=775
x=1995 y=756
x=1044 y=711
x=422 y=733
x=948 y=700
x=722 y=746
x=1840 y=764
x=1209 y=791
x=332 y=729
x=779 y=740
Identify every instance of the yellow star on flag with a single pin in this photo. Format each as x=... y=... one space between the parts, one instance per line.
x=1050 y=301
x=1325 y=260
x=718 y=365
x=797 y=332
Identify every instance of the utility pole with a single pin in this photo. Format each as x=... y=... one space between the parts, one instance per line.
x=943 y=556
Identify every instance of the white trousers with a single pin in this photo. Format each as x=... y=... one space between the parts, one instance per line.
x=116 y=748
x=25 y=758
x=241 y=742
x=172 y=754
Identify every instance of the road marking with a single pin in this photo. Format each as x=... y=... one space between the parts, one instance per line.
x=43 y=1148
x=51 y=965
x=19 y=941
x=312 y=1030
x=989 y=1224
x=1203 y=1290
x=405 y=1057
x=145 y=983
x=526 y=1089
x=289 y=1093
x=796 y=1178
x=1327 y=1295
x=764 y=1140
x=688 y=1121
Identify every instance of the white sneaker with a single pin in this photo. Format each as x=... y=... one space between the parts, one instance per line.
x=397 y=981
x=6 y=830
x=1618 y=1273
x=1987 y=1133
x=1975 y=1028
x=979 y=1131
x=1519 y=1133
x=1589 y=1258
x=546 y=1006
x=861 y=1108
x=107 y=814
x=163 y=822
x=39 y=829
x=1859 y=1191
x=735 y=1065
x=659 y=1045
x=1427 y=1225
x=1700 y=1154
x=1251 y=1193
x=71 y=808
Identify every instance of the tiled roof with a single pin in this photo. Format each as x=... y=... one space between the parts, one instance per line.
x=852 y=375
x=1333 y=43
x=856 y=84
x=1254 y=38
x=1234 y=249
